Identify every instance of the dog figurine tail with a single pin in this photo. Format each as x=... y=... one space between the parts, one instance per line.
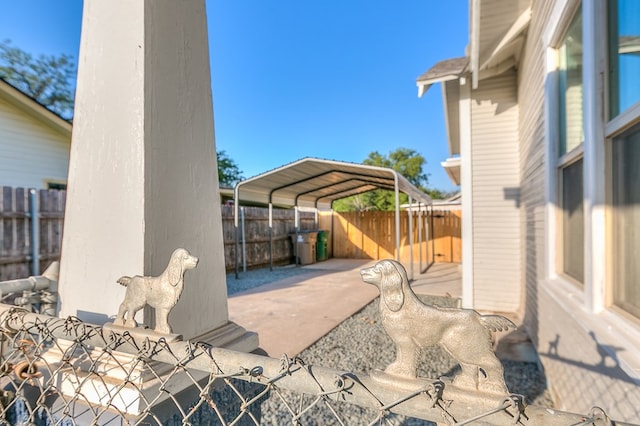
x=496 y=323
x=124 y=281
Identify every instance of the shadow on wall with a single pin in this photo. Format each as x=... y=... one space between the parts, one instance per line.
x=608 y=365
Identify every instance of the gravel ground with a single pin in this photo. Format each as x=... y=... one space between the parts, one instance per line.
x=360 y=344
x=257 y=277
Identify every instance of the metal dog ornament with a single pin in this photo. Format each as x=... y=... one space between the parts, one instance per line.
x=412 y=325
x=161 y=292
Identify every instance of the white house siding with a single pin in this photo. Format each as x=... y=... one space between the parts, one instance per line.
x=496 y=213
x=532 y=159
x=579 y=373
x=31 y=152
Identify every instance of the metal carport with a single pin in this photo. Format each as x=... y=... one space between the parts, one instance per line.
x=316 y=183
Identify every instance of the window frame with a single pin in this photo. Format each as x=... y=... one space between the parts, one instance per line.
x=611 y=231
x=567 y=160
x=554 y=35
x=613 y=127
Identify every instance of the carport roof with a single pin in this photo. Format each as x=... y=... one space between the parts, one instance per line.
x=314 y=182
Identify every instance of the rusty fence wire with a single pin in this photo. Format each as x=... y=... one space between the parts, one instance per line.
x=57 y=371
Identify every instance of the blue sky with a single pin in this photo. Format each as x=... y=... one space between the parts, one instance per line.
x=331 y=79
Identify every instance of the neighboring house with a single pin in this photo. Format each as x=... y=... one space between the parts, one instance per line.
x=543 y=119
x=34 y=142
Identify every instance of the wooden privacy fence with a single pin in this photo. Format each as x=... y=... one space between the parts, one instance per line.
x=371 y=235
x=367 y=235
x=256 y=232
x=16 y=260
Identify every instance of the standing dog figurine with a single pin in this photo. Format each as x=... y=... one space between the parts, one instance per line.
x=161 y=292
x=463 y=333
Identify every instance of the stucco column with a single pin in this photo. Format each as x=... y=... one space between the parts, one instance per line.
x=143 y=175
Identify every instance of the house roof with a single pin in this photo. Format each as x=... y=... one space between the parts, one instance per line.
x=447 y=72
x=497 y=33
x=314 y=182
x=452 y=167
x=448 y=69
x=29 y=105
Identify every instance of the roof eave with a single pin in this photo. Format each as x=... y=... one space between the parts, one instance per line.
x=446 y=70
x=452 y=167
x=30 y=106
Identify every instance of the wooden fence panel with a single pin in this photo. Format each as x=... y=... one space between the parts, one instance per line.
x=359 y=235
x=447 y=235
x=256 y=230
x=15 y=230
x=371 y=235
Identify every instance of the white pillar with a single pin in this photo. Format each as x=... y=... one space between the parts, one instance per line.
x=142 y=175
x=594 y=164
x=466 y=191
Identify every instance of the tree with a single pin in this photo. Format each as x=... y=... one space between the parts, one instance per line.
x=355 y=203
x=48 y=79
x=228 y=171
x=405 y=161
x=409 y=163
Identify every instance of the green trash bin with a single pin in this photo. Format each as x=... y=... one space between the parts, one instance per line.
x=321 y=246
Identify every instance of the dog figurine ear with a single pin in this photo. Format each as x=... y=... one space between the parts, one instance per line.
x=391 y=288
x=174 y=270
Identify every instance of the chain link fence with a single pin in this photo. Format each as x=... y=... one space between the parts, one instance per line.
x=66 y=372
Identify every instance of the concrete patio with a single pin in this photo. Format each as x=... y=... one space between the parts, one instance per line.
x=291 y=314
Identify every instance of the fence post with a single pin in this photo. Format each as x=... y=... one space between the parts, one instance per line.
x=244 y=245
x=35 y=232
x=410 y=211
x=420 y=237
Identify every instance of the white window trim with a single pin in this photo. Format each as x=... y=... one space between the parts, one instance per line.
x=466 y=191
x=594 y=48
x=557 y=26
x=623 y=121
x=594 y=15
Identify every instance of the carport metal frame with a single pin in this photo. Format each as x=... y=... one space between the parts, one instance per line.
x=366 y=177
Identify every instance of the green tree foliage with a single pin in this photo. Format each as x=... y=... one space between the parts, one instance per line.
x=228 y=171
x=438 y=194
x=48 y=79
x=408 y=162
x=405 y=161
x=355 y=203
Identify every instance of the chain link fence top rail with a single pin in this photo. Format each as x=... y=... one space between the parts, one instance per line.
x=66 y=372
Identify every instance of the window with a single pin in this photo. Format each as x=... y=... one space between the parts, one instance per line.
x=571 y=137
x=56 y=185
x=623 y=184
x=625 y=200
x=624 y=55
x=570 y=86
x=573 y=221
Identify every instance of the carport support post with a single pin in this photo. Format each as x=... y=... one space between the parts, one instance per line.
x=420 y=237
x=236 y=207
x=244 y=243
x=270 y=237
x=395 y=186
x=142 y=172
x=432 y=236
x=410 y=239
